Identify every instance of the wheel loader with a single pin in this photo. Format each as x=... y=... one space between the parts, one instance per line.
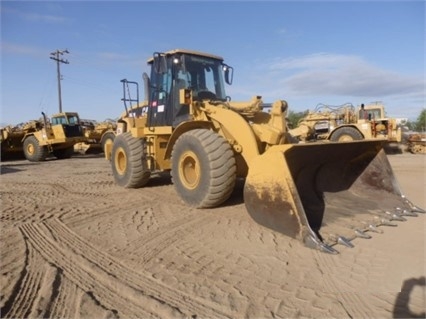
x=323 y=194
x=133 y=109
x=56 y=136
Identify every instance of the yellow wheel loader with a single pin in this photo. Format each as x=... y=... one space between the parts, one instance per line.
x=320 y=193
x=56 y=136
x=127 y=118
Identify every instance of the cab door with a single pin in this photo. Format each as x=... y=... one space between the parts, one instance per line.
x=160 y=111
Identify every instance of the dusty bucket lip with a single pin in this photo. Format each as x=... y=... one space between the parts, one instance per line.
x=324 y=193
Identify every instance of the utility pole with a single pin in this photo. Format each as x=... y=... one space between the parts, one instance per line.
x=55 y=56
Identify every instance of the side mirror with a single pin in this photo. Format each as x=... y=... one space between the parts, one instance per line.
x=229 y=73
x=160 y=63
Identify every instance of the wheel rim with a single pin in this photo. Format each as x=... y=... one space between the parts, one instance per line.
x=189 y=170
x=107 y=142
x=120 y=160
x=30 y=149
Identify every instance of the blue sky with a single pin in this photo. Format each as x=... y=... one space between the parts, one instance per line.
x=306 y=52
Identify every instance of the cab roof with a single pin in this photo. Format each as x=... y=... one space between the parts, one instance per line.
x=191 y=52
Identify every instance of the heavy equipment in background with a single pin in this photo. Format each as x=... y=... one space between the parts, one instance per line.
x=11 y=138
x=321 y=193
x=132 y=109
x=347 y=123
x=56 y=137
x=416 y=143
x=97 y=134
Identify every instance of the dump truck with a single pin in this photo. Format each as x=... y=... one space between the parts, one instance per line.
x=55 y=136
x=348 y=123
x=322 y=194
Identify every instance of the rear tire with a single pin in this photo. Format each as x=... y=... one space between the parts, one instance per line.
x=203 y=168
x=346 y=134
x=128 y=161
x=33 y=151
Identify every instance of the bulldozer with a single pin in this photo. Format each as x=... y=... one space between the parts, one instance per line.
x=55 y=136
x=322 y=194
x=347 y=123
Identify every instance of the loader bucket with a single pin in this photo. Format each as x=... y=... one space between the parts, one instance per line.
x=325 y=193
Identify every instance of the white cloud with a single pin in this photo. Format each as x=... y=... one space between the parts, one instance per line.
x=318 y=60
x=36 y=17
x=347 y=75
x=43 y=17
x=14 y=48
x=120 y=59
x=332 y=79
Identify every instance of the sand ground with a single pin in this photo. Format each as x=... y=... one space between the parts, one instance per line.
x=75 y=245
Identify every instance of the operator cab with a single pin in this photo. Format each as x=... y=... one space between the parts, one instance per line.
x=202 y=75
x=65 y=118
x=70 y=123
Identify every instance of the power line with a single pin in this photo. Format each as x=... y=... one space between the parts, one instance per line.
x=55 y=56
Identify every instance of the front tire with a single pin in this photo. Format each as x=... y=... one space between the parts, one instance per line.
x=33 y=151
x=203 y=168
x=346 y=134
x=128 y=161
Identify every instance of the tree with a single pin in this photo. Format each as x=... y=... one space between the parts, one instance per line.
x=421 y=122
x=294 y=118
x=410 y=125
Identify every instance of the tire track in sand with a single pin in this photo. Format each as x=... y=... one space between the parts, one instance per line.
x=149 y=245
x=116 y=287
x=26 y=288
x=350 y=276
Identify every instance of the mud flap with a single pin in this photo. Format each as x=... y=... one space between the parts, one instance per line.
x=325 y=193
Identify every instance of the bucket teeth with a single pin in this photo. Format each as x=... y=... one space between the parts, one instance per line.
x=312 y=241
x=395 y=216
x=385 y=222
x=418 y=209
x=327 y=249
x=344 y=241
x=408 y=213
x=404 y=212
x=374 y=229
x=413 y=207
x=361 y=234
